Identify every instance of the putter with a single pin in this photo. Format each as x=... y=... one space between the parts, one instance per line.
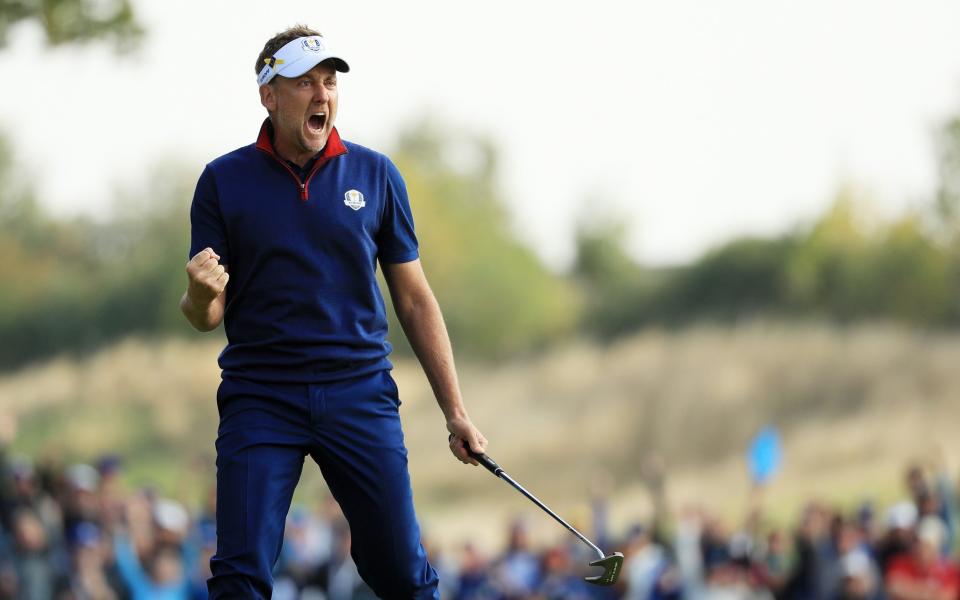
x=610 y=564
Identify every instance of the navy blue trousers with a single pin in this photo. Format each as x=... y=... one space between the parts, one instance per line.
x=351 y=429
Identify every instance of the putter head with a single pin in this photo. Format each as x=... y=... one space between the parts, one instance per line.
x=611 y=570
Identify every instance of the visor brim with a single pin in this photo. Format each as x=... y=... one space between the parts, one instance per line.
x=305 y=64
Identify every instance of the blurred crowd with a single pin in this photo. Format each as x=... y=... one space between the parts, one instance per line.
x=75 y=533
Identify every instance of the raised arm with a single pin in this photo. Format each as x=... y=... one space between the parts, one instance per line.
x=203 y=303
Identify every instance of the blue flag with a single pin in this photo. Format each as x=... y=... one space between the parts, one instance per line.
x=764 y=455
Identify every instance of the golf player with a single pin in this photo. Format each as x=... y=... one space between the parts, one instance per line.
x=286 y=235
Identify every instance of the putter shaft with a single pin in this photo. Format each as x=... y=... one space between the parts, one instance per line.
x=497 y=470
x=502 y=475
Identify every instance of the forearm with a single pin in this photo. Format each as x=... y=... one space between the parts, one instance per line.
x=420 y=317
x=203 y=302
x=203 y=317
x=128 y=564
x=423 y=325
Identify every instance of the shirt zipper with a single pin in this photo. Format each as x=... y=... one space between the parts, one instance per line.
x=304 y=193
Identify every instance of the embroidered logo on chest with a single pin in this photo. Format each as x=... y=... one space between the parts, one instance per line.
x=354 y=200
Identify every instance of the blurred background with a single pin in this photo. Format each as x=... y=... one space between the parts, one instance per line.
x=700 y=264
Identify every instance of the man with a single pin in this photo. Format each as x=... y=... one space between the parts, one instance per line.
x=286 y=237
x=923 y=573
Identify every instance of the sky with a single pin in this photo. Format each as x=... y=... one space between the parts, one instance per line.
x=690 y=121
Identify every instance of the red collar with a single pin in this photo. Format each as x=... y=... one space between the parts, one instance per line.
x=333 y=148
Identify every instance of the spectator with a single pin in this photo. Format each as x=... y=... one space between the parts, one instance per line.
x=473 y=580
x=306 y=546
x=81 y=502
x=923 y=574
x=164 y=573
x=110 y=494
x=644 y=563
x=33 y=560
x=518 y=572
x=559 y=581
x=688 y=551
x=772 y=566
x=901 y=519
x=90 y=577
x=342 y=581
x=59 y=526
x=859 y=580
x=811 y=541
x=856 y=575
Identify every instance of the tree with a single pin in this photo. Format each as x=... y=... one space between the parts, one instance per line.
x=498 y=298
x=50 y=272
x=743 y=278
x=850 y=266
x=616 y=290
x=74 y=21
x=948 y=192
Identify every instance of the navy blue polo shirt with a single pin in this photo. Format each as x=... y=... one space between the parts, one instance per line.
x=303 y=303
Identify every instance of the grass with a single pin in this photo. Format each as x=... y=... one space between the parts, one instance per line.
x=854 y=405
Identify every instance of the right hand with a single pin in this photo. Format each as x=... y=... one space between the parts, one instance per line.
x=208 y=278
x=464 y=434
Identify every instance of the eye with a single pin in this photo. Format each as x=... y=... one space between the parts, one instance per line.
x=331 y=83
x=304 y=83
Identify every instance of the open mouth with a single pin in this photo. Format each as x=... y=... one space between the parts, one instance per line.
x=317 y=121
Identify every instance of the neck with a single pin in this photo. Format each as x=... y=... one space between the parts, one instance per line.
x=292 y=153
x=269 y=141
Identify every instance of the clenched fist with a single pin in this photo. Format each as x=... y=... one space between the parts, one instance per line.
x=208 y=278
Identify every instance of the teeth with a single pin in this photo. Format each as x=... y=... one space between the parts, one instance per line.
x=321 y=119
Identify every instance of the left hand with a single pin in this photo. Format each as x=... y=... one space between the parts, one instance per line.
x=462 y=433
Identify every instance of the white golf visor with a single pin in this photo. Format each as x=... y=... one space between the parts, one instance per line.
x=299 y=56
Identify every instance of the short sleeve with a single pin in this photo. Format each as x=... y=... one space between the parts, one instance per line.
x=396 y=240
x=206 y=222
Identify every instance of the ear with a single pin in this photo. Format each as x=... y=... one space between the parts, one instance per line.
x=268 y=97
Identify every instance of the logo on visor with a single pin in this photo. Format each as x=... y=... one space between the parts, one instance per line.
x=354 y=200
x=312 y=44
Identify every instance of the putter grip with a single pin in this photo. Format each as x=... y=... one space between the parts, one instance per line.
x=487 y=462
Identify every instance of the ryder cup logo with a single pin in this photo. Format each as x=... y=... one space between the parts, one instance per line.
x=312 y=44
x=354 y=200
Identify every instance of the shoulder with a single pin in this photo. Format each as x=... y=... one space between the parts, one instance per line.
x=357 y=153
x=241 y=157
x=360 y=151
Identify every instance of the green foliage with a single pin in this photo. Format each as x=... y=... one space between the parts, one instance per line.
x=743 y=278
x=848 y=268
x=497 y=298
x=72 y=286
x=948 y=199
x=75 y=21
x=948 y=193
x=830 y=269
x=616 y=290
x=914 y=276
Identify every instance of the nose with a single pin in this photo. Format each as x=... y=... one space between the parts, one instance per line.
x=320 y=93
